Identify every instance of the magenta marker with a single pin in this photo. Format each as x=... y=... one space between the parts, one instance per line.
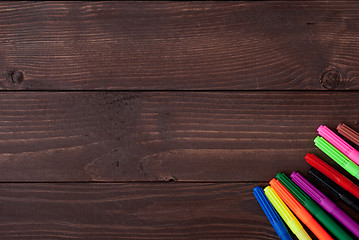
x=325 y=203
x=339 y=143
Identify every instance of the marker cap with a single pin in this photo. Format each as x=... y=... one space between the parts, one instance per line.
x=334 y=189
x=332 y=174
x=299 y=210
x=348 y=133
x=337 y=156
x=313 y=207
x=325 y=203
x=271 y=214
x=286 y=214
x=339 y=143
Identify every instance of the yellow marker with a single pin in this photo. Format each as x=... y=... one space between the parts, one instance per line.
x=286 y=214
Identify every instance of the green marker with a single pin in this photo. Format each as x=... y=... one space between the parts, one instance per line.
x=313 y=207
x=337 y=156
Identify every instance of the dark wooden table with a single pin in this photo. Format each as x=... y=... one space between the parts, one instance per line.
x=154 y=120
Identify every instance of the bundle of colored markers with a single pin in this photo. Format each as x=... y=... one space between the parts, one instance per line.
x=295 y=194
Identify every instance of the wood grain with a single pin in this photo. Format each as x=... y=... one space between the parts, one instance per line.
x=131 y=211
x=164 y=164
x=163 y=136
x=179 y=45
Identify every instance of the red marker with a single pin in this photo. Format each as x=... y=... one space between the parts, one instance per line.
x=333 y=174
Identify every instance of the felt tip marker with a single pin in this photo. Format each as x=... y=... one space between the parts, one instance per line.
x=313 y=208
x=327 y=204
x=299 y=210
x=348 y=133
x=334 y=189
x=271 y=214
x=339 y=143
x=337 y=156
x=286 y=214
x=333 y=174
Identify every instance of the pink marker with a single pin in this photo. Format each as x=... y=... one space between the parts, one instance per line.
x=339 y=143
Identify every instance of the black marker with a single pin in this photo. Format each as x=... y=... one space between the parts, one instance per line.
x=335 y=189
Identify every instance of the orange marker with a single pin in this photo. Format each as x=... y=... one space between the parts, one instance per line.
x=299 y=210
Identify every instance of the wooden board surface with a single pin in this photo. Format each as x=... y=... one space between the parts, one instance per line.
x=162 y=136
x=143 y=164
x=132 y=211
x=176 y=45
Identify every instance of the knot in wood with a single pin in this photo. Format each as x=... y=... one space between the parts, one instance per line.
x=15 y=76
x=331 y=79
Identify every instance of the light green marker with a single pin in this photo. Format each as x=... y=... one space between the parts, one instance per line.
x=337 y=156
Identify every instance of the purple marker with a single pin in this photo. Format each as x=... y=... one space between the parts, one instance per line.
x=325 y=203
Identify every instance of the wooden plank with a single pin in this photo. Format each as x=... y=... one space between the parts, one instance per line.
x=179 y=45
x=163 y=136
x=133 y=211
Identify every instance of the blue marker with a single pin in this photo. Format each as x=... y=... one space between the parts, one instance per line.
x=271 y=214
